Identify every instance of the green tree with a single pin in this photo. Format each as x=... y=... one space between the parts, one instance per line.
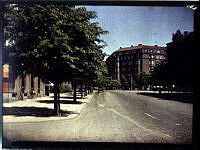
x=101 y=76
x=115 y=84
x=124 y=82
x=54 y=42
x=141 y=81
x=178 y=68
x=180 y=63
x=159 y=76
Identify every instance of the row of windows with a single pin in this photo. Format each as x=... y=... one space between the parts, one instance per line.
x=153 y=63
x=151 y=51
x=127 y=63
x=157 y=56
x=126 y=57
x=132 y=57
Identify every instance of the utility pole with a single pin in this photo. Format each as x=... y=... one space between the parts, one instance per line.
x=1 y=64
x=118 y=69
x=131 y=81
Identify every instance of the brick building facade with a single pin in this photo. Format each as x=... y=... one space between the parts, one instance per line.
x=18 y=87
x=131 y=61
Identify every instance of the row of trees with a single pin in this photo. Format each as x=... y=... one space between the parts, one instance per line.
x=178 y=69
x=57 y=43
x=176 y=72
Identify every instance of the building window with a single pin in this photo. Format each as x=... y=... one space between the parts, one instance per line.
x=146 y=51
x=158 y=51
x=157 y=57
x=123 y=64
x=130 y=62
x=151 y=56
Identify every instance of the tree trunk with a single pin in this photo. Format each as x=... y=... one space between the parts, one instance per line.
x=56 y=99
x=160 y=91
x=85 y=90
x=74 y=91
x=81 y=90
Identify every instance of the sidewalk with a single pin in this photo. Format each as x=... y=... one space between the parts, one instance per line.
x=41 y=109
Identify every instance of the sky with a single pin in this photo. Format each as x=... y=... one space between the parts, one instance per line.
x=133 y=25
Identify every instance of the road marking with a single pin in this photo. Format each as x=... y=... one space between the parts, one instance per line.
x=151 y=116
x=167 y=135
x=177 y=124
x=135 y=123
x=101 y=105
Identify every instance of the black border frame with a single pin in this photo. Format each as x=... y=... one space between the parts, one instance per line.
x=98 y=145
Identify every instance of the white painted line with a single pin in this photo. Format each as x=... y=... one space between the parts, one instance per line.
x=101 y=105
x=167 y=135
x=151 y=116
x=135 y=123
x=177 y=124
x=127 y=118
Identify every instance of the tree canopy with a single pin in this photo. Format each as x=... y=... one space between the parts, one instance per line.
x=178 y=69
x=56 y=42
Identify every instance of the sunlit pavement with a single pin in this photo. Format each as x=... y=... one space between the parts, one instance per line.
x=114 y=116
x=41 y=109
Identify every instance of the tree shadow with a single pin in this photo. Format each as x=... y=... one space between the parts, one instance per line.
x=61 y=102
x=69 y=97
x=180 y=97
x=33 y=111
x=6 y=143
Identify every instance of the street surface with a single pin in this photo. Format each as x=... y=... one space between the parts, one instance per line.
x=114 y=116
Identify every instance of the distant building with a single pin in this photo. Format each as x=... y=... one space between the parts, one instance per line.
x=18 y=87
x=130 y=61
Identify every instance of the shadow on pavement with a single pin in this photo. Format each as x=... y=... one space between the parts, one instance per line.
x=69 y=97
x=61 y=102
x=33 y=111
x=6 y=143
x=180 y=97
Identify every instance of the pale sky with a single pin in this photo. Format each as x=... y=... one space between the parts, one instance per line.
x=133 y=25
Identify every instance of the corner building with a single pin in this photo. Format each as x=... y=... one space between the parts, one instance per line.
x=130 y=61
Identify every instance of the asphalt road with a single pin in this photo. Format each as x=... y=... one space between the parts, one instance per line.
x=114 y=116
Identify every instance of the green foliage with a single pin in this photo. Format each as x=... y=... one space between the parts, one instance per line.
x=109 y=83
x=124 y=83
x=159 y=76
x=65 y=87
x=178 y=69
x=56 y=42
x=142 y=81
x=180 y=55
x=101 y=75
x=115 y=84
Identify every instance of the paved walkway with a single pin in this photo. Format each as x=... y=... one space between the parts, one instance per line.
x=41 y=109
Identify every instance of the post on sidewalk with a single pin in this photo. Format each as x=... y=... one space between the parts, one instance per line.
x=1 y=64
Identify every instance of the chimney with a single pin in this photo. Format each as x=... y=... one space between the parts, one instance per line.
x=139 y=44
x=156 y=45
x=120 y=47
x=131 y=45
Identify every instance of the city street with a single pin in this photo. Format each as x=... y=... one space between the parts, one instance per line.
x=114 y=116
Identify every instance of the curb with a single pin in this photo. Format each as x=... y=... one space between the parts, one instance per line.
x=55 y=118
x=89 y=101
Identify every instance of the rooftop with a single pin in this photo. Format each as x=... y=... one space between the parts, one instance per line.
x=140 y=46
